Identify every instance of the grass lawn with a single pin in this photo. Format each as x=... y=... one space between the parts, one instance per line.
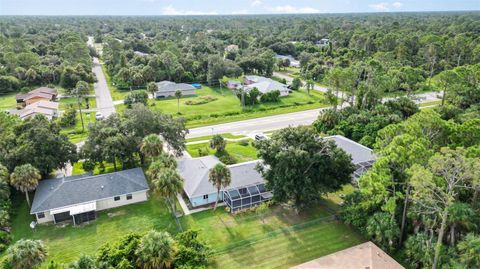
x=8 y=101
x=235 y=149
x=75 y=133
x=227 y=107
x=65 y=102
x=208 y=137
x=433 y=103
x=278 y=239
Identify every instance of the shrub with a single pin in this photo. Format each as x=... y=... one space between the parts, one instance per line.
x=243 y=142
x=136 y=97
x=270 y=97
x=69 y=117
x=227 y=159
x=201 y=100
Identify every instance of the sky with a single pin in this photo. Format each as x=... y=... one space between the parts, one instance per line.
x=217 y=7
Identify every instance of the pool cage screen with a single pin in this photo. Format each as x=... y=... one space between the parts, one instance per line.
x=246 y=196
x=362 y=168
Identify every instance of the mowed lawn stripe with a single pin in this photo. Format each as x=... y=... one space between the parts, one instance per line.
x=291 y=248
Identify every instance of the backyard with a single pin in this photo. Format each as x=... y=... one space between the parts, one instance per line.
x=223 y=106
x=241 y=151
x=278 y=239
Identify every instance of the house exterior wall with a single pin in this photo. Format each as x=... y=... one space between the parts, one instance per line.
x=284 y=93
x=199 y=201
x=172 y=93
x=111 y=203
x=104 y=204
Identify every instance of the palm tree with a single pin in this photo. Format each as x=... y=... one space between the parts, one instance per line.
x=4 y=187
x=81 y=89
x=178 y=94
x=156 y=250
x=168 y=184
x=25 y=178
x=218 y=143
x=26 y=254
x=164 y=161
x=220 y=177
x=151 y=146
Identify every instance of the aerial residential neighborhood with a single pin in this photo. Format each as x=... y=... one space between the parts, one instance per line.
x=249 y=134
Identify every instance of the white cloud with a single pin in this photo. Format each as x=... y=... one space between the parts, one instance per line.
x=292 y=9
x=256 y=3
x=397 y=4
x=383 y=6
x=170 y=10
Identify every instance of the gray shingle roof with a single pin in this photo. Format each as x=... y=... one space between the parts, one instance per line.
x=268 y=85
x=62 y=192
x=168 y=86
x=359 y=152
x=195 y=175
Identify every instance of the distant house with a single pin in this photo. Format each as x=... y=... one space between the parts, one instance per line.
x=231 y=47
x=46 y=108
x=265 y=85
x=234 y=84
x=78 y=198
x=139 y=53
x=201 y=192
x=38 y=94
x=168 y=88
x=323 y=42
x=293 y=62
x=362 y=157
x=366 y=255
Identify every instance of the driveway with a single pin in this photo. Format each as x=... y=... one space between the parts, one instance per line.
x=289 y=80
x=102 y=93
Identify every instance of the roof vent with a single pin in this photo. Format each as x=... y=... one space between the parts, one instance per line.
x=102 y=187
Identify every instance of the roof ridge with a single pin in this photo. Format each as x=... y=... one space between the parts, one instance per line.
x=130 y=180
x=50 y=193
x=202 y=176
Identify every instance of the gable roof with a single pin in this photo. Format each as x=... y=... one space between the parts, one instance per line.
x=359 y=152
x=195 y=175
x=63 y=192
x=169 y=86
x=366 y=255
x=44 y=104
x=43 y=92
x=267 y=86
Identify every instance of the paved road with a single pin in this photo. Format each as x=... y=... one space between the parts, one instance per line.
x=289 y=80
x=102 y=93
x=276 y=122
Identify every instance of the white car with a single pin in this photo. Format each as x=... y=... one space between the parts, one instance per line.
x=99 y=116
x=260 y=136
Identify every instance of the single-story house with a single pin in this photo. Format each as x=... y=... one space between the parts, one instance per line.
x=46 y=108
x=38 y=94
x=267 y=85
x=234 y=84
x=293 y=62
x=362 y=157
x=251 y=79
x=168 y=89
x=201 y=192
x=323 y=42
x=366 y=255
x=78 y=198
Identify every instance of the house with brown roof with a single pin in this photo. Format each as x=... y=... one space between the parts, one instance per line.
x=363 y=256
x=46 y=108
x=38 y=94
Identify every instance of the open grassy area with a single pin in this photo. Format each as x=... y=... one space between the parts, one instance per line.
x=240 y=152
x=208 y=137
x=75 y=133
x=227 y=107
x=65 y=102
x=278 y=239
x=7 y=101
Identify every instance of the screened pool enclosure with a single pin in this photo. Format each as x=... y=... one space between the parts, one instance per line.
x=246 y=196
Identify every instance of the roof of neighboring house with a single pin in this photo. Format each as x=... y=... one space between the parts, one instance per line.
x=47 y=108
x=359 y=152
x=267 y=86
x=255 y=78
x=231 y=47
x=139 y=53
x=38 y=92
x=195 y=175
x=169 y=86
x=363 y=256
x=62 y=192
x=44 y=104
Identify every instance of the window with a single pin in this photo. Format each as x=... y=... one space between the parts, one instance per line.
x=41 y=215
x=116 y=198
x=129 y=196
x=205 y=197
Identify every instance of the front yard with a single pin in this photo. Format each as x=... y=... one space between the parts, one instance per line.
x=279 y=239
x=242 y=151
x=224 y=106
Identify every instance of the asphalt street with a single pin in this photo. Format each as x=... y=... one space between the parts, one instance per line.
x=102 y=93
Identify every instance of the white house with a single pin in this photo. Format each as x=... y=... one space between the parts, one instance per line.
x=168 y=89
x=265 y=85
x=78 y=198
